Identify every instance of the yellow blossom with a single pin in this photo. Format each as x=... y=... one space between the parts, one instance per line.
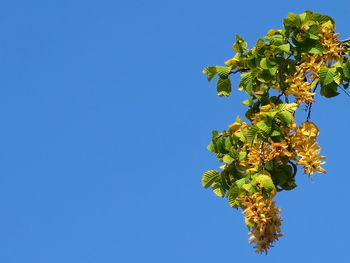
x=262 y=217
x=311 y=160
x=279 y=150
x=233 y=61
x=330 y=43
x=300 y=87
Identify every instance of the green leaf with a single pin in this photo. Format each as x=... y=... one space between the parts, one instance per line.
x=319 y=17
x=218 y=189
x=327 y=75
x=310 y=46
x=233 y=193
x=249 y=188
x=250 y=134
x=277 y=39
x=330 y=90
x=209 y=177
x=227 y=158
x=267 y=64
x=290 y=107
x=312 y=36
x=338 y=78
x=264 y=179
x=232 y=198
x=210 y=72
x=286 y=117
x=259 y=43
x=220 y=71
x=268 y=114
x=292 y=21
x=328 y=85
x=265 y=126
x=285 y=48
x=223 y=72
x=317 y=49
x=240 y=45
x=220 y=145
x=265 y=76
x=223 y=87
x=246 y=82
x=276 y=133
x=211 y=147
x=233 y=202
x=283 y=176
x=242 y=155
x=273 y=70
x=228 y=143
x=346 y=70
x=240 y=182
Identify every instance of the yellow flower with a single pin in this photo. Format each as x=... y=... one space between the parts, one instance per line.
x=300 y=87
x=261 y=216
x=223 y=167
x=278 y=150
x=233 y=61
x=305 y=148
x=311 y=160
x=309 y=129
x=254 y=156
x=311 y=65
x=238 y=124
x=330 y=43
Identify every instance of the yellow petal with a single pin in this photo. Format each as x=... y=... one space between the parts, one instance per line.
x=310 y=129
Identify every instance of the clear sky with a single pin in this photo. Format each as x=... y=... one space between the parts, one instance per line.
x=105 y=118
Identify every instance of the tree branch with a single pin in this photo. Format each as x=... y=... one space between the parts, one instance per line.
x=239 y=70
x=344 y=91
x=310 y=105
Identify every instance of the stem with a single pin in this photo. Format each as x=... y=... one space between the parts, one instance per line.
x=309 y=111
x=286 y=98
x=344 y=91
x=310 y=105
x=239 y=70
x=345 y=40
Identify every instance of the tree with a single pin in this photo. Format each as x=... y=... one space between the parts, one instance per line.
x=281 y=74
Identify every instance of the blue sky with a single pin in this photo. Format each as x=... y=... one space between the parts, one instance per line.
x=105 y=120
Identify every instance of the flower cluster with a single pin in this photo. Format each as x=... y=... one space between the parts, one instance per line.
x=331 y=45
x=300 y=87
x=262 y=217
x=303 y=142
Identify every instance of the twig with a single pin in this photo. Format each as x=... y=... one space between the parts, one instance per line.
x=309 y=112
x=345 y=40
x=289 y=56
x=280 y=95
x=239 y=70
x=344 y=91
x=310 y=105
x=286 y=98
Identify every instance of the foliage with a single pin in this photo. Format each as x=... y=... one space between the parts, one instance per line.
x=280 y=74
